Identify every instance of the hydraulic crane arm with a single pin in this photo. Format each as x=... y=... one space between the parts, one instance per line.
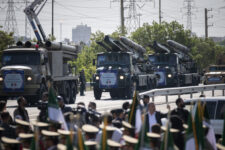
x=31 y=14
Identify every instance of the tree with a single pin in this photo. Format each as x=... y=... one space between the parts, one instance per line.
x=6 y=40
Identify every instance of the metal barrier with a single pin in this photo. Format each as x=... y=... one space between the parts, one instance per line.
x=184 y=90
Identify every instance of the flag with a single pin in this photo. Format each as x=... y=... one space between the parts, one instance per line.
x=143 y=140
x=80 y=138
x=103 y=143
x=134 y=116
x=167 y=143
x=195 y=131
x=54 y=112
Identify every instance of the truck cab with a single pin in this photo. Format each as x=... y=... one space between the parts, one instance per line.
x=113 y=73
x=23 y=72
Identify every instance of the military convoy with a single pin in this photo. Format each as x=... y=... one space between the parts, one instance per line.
x=173 y=65
x=27 y=67
x=122 y=69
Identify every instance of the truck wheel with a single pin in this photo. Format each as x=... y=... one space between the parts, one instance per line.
x=73 y=93
x=67 y=93
x=97 y=93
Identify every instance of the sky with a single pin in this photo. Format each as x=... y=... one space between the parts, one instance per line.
x=104 y=15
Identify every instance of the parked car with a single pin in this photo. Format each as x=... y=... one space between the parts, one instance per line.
x=216 y=109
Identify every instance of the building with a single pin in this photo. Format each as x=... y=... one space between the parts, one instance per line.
x=82 y=33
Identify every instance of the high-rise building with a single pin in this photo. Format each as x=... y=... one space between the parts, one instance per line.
x=82 y=33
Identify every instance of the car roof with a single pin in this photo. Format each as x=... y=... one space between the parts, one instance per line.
x=219 y=98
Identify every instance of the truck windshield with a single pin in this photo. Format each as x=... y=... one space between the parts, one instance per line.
x=113 y=59
x=163 y=59
x=20 y=58
x=217 y=68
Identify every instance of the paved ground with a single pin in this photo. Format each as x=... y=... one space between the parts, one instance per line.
x=106 y=103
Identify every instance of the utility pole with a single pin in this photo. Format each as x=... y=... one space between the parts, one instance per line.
x=206 y=23
x=122 y=17
x=139 y=19
x=160 y=17
x=52 y=18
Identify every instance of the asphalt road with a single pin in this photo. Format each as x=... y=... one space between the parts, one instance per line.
x=106 y=103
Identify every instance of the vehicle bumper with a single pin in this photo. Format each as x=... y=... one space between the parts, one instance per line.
x=29 y=90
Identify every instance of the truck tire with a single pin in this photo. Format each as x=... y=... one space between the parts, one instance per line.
x=73 y=93
x=67 y=93
x=97 y=93
x=113 y=94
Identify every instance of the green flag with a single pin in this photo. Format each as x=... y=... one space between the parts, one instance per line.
x=143 y=140
x=133 y=108
x=54 y=112
x=167 y=143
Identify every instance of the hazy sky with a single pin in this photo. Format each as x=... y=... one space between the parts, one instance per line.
x=104 y=15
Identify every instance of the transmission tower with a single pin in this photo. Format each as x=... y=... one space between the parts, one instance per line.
x=188 y=4
x=132 y=19
x=10 y=24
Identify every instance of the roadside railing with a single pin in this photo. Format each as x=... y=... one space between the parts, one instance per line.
x=184 y=90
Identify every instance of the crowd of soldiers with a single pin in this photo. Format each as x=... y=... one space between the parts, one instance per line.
x=18 y=132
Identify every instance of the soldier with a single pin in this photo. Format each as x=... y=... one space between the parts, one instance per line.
x=20 y=112
x=22 y=127
x=61 y=104
x=91 y=145
x=180 y=111
x=10 y=143
x=90 y=132
x=8 y=130
x=146 y=100
x=42 y=105
x=26 y=140
x=113 y=145
x=63 y=136
x=50 y=139
x=82 y=83
x=154 y=140
x=130 y=143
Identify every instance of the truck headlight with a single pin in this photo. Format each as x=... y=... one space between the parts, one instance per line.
x=1 y=79
x=29 y=78
x=121 y=77
x=97 y=77
x=169 y=75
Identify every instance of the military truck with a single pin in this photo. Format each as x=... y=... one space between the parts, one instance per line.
x=26 y=70
x=27 y=67
x=122 y=69
x=173 y=65
x=215 y=74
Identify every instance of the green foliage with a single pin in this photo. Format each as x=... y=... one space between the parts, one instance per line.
x=6 y=40
x=204 y=52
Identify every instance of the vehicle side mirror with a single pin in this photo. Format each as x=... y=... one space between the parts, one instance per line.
x=93 y=62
